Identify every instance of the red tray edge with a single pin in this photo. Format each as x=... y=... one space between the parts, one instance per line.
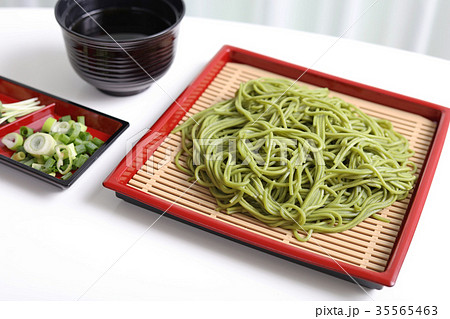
x=118 y=179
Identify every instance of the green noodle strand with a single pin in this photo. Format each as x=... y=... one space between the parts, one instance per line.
x=296 y=158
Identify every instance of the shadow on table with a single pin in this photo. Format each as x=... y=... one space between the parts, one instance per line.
x=18 y=180
x=274 y=266
x=332 y=287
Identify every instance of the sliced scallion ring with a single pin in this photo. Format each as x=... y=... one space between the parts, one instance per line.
x=40 y=144
x=61 y=127
x=76 y=129
x=26 y=131
x=48 y=124
x=12 y=141
x=59 y=153
x=19 y=156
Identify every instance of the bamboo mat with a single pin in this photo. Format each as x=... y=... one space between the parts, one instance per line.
x=367 y=245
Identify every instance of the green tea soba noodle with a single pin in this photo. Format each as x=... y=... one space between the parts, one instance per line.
x=296 y=158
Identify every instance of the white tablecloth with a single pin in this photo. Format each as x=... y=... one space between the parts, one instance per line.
x=84 y=242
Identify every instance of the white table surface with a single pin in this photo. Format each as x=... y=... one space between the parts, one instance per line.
x=55 y=244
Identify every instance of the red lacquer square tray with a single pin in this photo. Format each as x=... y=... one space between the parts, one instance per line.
x=370 y=254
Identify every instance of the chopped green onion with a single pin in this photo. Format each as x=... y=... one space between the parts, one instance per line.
x=48 y=124
x=66 y=118
x=63 y=138
x=59 y=164
x=40 y=144
x=61 y=146
x=37 y=166
x=40 y=159
x=64 y=166
x=26 y=131
x=72 y=151
x=12 y=141
x=83 y=127
x=30 y=162
x=81 y=148
x=20 y=149
x=75 y=131
x=81 y=119
x=61 y=127
x=66 y=176
x=80 y=160
x=97 y=141
x=85 y=136
x=49 y=163
x=19 y=156
x=55 y=135
x=90 y=147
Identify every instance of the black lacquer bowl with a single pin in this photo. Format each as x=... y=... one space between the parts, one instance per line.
x=120 y=46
